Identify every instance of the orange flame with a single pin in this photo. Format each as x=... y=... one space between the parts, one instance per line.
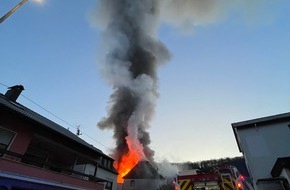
x=126 y=163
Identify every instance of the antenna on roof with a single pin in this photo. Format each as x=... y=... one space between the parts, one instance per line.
x=78 y=131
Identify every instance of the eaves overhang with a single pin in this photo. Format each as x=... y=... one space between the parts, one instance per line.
x=259 y=122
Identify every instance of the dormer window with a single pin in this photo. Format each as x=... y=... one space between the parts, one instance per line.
x=6 y=138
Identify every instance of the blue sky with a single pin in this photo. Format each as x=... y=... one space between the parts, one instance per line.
x=227 y=71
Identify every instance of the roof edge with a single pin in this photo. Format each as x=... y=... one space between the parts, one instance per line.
x=261 y=120
x=31 y=115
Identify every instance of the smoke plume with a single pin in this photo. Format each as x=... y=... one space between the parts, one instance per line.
x=133 y=55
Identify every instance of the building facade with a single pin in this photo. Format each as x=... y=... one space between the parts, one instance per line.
x=265 y=144
x=36 y=153
x=143 y=176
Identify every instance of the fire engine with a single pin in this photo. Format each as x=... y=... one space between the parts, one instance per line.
x=217 y=178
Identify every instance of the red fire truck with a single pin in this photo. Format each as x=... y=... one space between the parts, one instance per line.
x=217 y=178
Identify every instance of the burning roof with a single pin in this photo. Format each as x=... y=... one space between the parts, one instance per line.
x=143 y=170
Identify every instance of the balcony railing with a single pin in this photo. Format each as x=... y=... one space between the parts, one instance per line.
x=44 y=164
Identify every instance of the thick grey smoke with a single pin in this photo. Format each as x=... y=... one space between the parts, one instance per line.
x=167 y=170
x=133 y=56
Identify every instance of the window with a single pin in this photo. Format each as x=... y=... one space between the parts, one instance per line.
x=105 y=162
x=132 y=183
x=237 y=174
x=109 y=164
x=109 y=185
x=202 y=179
x=6 y=138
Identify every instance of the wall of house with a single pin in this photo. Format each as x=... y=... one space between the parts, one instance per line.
x=106 y=175
x=24 y=133
x=142 y=184
x=12 y=165
x=262 y=145
x=21 y=128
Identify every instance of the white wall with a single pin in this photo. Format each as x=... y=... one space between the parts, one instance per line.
x=89 y=169
x=104 y=174
x=142 y=184
x=261 y=147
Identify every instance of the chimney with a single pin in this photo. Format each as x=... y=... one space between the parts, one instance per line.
x=13 y=93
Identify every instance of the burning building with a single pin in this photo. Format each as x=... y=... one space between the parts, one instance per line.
x=130 y=67
x=133 y=54
x=143 y=177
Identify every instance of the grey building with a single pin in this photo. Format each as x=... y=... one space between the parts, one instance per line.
x=143 y=177
x=265 y=144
